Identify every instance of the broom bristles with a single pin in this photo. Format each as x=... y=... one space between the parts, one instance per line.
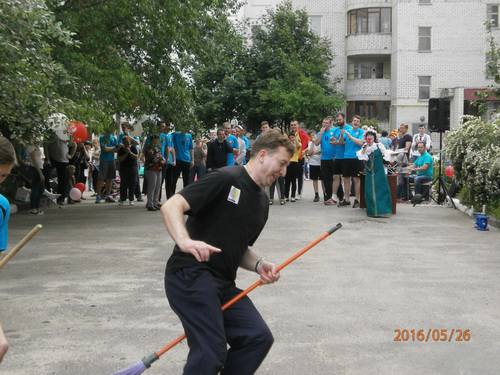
x=135 y=369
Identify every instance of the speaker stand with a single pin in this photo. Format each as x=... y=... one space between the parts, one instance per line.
x=442 y=189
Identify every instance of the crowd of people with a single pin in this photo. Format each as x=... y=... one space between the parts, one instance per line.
x=333 y=158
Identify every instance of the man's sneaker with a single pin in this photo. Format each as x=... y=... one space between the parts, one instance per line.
x=140 y=199
x=98 y=200
x=330 y=202
x=356 y=204
x=316 y=198
x=298 y=197
x=130 y=203
x=344 y=203
x=335 y=198
x=110 y=199
x=121 y=203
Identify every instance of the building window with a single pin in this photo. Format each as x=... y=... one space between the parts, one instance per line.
x=315 y=24
x=424 y=39
x=492 y=14
x=369 y=21
x=368 y=70
x=369 y=110
x=424 y=87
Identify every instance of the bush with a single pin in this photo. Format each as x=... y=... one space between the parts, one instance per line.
x=474 y=150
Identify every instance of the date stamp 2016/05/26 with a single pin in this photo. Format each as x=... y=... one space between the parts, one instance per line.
x=432 y=335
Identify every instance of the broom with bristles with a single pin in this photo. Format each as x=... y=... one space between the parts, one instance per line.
x=145 y=363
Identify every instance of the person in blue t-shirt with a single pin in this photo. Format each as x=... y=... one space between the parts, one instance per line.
x=170 y=161
x=232 y=141
x=184 y=156
x=338 y=163
x=7 y=161
x=352 y=165
x=323 y=138
x=107 y=167
x=424 y=168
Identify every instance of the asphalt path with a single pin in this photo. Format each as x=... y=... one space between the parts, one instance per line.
x=417 y=293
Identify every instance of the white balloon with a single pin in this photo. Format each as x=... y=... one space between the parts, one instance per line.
x=59 y=123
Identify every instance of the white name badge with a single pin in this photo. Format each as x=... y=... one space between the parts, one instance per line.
x=234 y=195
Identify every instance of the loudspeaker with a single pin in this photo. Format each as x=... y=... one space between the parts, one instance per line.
x=439 y=115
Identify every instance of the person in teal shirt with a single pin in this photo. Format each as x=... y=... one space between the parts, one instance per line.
x=424 y=168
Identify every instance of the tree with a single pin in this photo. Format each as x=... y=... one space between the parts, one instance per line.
x=29 y=76
x=282 y=73
x=136 y=57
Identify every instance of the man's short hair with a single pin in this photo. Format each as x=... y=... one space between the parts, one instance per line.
x=271 y=140
x=341 y=114
x=329 y=118
x=357 y=116
x=404 y=125
x=264 y=123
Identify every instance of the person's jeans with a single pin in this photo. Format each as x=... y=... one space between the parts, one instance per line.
x=154 y=184
x=128 y=176
x=418 y=181
x=37 y=188
x=199 y=172
x=61 y=177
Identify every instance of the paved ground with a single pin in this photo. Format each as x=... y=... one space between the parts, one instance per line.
x=86 y=295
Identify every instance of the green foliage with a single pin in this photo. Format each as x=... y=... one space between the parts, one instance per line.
x=282 y=74
x=29 y=76
x=92 y=60
x=493 y=69
x=474 y=150
x=135 y=57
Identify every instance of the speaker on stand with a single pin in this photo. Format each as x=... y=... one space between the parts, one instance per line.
x=439 y=122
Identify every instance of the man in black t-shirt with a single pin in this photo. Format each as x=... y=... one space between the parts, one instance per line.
x=404 y=142
x=227 y=210
x=217 y=151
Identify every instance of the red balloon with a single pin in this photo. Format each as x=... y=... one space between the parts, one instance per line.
x=78 y=130
x=80 y=186
x=449 y=171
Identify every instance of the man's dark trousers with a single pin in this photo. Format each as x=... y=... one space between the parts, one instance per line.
x=193 y=294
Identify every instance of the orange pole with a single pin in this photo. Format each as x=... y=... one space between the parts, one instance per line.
x=256 y=284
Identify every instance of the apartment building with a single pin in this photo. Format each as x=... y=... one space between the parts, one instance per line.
x=394 y=55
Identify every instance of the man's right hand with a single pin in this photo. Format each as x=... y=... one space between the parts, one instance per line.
x=199 y=249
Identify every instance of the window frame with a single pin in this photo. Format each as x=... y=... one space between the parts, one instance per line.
x=358 y=20
x=490 y=13
x=422 y=86
x=423 y=38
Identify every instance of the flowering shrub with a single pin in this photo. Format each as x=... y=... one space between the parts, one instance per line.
x=474 y=149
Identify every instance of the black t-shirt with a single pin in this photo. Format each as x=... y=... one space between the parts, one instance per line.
x=228 y=211
x=217 y=154
x=128 y=161
x=402 y=141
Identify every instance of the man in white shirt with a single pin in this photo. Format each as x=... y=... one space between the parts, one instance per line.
x=420 y=137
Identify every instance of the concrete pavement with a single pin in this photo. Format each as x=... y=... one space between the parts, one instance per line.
x=86 y=295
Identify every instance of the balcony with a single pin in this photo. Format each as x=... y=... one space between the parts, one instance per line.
x=368 y=89
x=369 y=44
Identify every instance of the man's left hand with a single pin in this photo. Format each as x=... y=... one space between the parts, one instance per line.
x=268 y=272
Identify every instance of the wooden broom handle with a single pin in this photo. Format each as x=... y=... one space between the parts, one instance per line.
x=20 y=245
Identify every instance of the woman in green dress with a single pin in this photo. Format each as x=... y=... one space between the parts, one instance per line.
x=377 y=192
